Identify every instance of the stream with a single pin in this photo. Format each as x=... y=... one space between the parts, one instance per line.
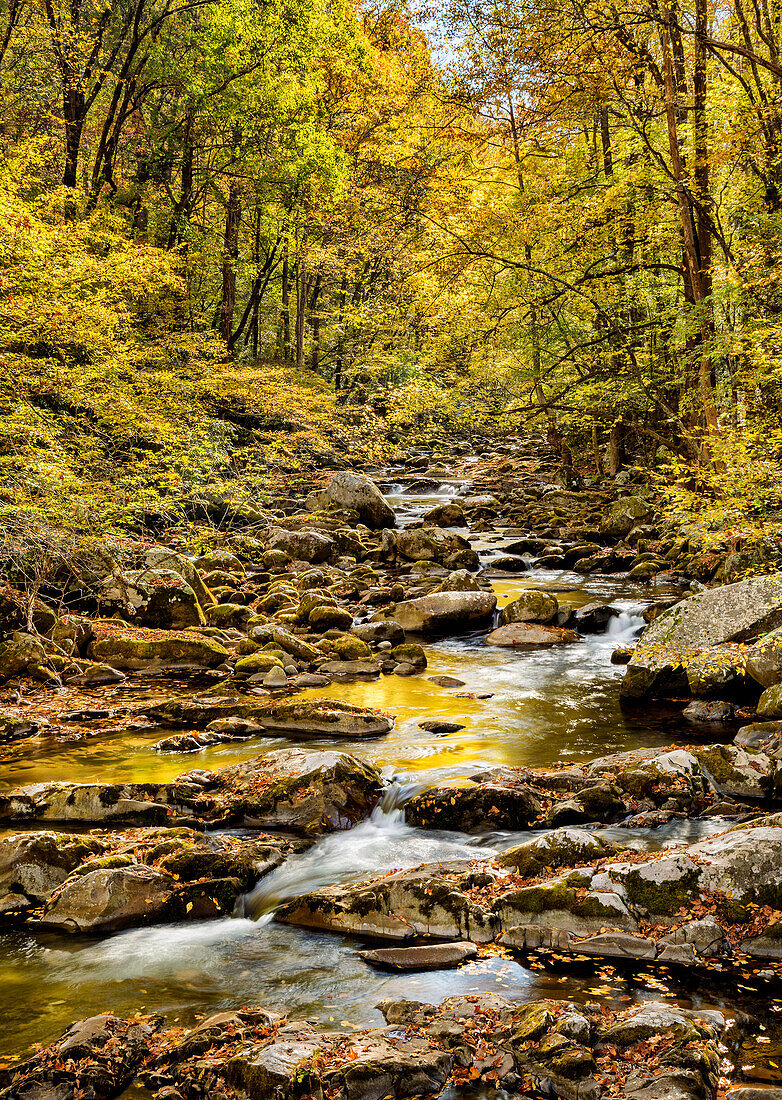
x=541 y=707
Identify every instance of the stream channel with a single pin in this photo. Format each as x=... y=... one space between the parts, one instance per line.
x=540 y=707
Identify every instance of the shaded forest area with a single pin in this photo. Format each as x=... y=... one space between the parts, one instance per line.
x=239 y=237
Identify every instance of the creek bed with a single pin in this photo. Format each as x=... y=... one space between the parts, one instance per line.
x=545 y=706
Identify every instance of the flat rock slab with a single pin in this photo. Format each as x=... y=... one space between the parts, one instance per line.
x=530 y=636
x=440 y=956
x=304 y=792
x=304 y=718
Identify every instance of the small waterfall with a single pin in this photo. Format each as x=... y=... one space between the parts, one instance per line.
x=382 y=843
x=625 y=627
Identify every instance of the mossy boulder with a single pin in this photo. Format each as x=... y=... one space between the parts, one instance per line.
x=770 y=702
x=229 y=615
x=255 y=663
x=530 y=607
x=764 y=659
x=127 y=647
x=554 y=850
x=351 y=648
x=409 y=653
x=325 y=617
x=24 y=654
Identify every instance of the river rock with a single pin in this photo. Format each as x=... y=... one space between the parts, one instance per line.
x=382 y=631
x=443 y=612
x=95 y=1059
x=559 y=848
x=717 y=670
x=345 y=671
x=132 y=647
x=481 y=1041
x=303 y=792
x=159 y=876
x=304 y=545
x=425 y=901
x=440 y=956
x=474 y=807
x=460 y=580
x=160 y=557
x=360 y=494
x=593 y=618
x=764 y=659
x=304 y=717
x=446 y=515
x=530 y=636
x=738 y=612
x=530 y=607
x=624 y=514
x=33 y=865
x=24 y=653
x=433 y=544
x=159 y=598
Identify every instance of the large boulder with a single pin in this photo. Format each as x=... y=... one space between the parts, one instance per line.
x=23 y=653
x=161 y=557
x=432 y=900
x=302 y=792
x=304 y=545
x=131 y=647
x=159 y=598
x=442 y=612
x=358 y=493
x=623 y=515
x=764 y=659
x=740 y=612
x=33 y=865
x=435 y=544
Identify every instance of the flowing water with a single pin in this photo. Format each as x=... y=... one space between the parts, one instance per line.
x=515 y=709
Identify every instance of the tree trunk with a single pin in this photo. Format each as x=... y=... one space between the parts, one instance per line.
x=301 y=309
x=697 y=252
x=315 y=323
x=182 y=209
x=285 y=311
x=605 y=137
x=233 y=216
x=616 y=448
x=73 y=113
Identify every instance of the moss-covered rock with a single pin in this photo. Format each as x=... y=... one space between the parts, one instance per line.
x=255 y=663
x=127 y=647
x=530 y=607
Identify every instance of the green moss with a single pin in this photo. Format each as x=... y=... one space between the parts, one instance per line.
x=663 y=898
